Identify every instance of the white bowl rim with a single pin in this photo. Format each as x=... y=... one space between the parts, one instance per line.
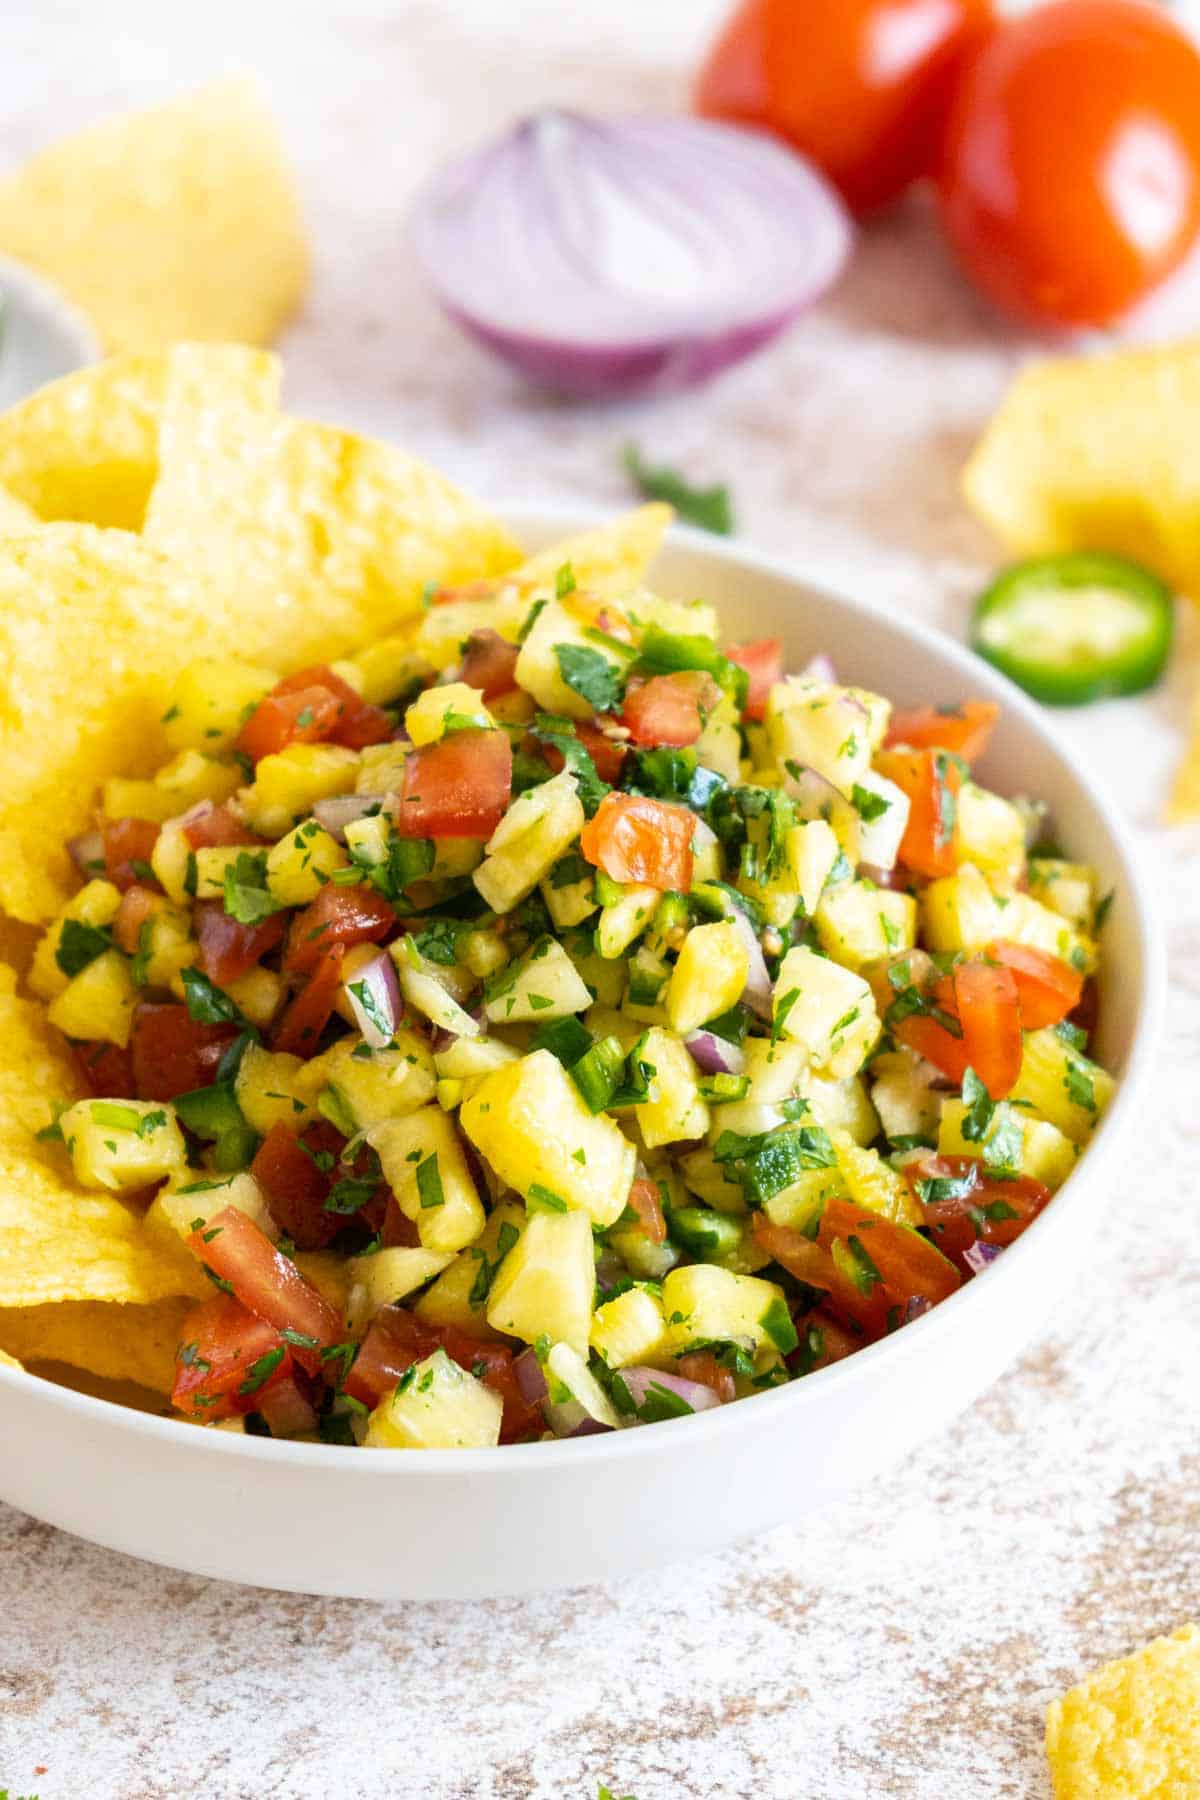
x=44 y=297
x=912 y=1338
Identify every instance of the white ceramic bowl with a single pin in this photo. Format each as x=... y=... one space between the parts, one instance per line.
x=42 y=336
x=445 y=1524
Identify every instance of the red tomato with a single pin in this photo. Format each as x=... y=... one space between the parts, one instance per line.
x=345 y=916
x=931 y=779
x=217 y=825
x=607 y=754
x=860 y=86
x=306 y=1018
x=286 y=1408
x=668 y=709
x=218 y=1352
x=172 y=1053
x=1047 y=987
x=267 y=1281
x=397 y=1339
x=990 y=1211
x=228 y=949
x=489 y=663
x=137 y=906
x=635 y=839
x=986 y=1002
x=646 y=1202
x=763 y=662
x=836 y=1341
x=458 y=787
x=702 y=1366
x=1070 y=180
x=302 y=716
x=126 y=842
x=104 y=1069
x=874 y=1269
x=936 y=1043
x=964 y=729
x=295 y=1170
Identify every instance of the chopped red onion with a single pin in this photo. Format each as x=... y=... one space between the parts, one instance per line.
x=286 y=1410
x=977 y=1256
x=715 y=1055
x=917 y=1306
x=879 y=838
x=587 y=1427
x=819 y=668
x=343 y=809
x=86 y=852
x=757 y=992
x=697 y=1394
x=531 y=1377
x=629 y=254
x=373 y=993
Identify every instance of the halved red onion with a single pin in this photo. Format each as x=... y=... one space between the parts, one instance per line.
x=715 y=1055
x=977 y=1256
x=343 y=809
x=629 y=254
x=373 y=994
x=697 y=1394
x=757 y=993
x=86 y=852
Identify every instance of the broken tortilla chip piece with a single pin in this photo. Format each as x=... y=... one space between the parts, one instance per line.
x=1131 y=1730
x=309 y=537
x=58 y=1242
x=178 y=222
x=117 y=1342
x=86 y=446
x=609 y=560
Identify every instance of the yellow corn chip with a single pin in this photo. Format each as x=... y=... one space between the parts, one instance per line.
x=312 y=540
x=118 y=1342
x=86 y=446
x=15 y=516
x=180 y=222
x=1098 y=453
x=609 y=560
x=1131 y=1731
x=56 y=1241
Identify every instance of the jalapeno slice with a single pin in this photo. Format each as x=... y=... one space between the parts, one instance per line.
x=1075 y=628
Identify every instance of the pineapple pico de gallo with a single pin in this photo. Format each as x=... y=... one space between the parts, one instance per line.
x=550 y=1021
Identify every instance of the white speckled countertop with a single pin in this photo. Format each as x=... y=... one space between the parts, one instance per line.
x=905 y=1645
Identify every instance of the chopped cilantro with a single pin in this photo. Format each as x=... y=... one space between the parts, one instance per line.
x=710 y=508
x=429 y=1183
x=79 y=945
x=591 y=675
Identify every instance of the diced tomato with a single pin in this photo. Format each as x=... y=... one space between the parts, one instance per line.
x=986 y=1002
x=295 y=1170
x=138 y=903
x=639 y=840
x=929 y=1038
x=224 y=1349
x=364 y=724
x=233 y=1248
x=931 y=779
x=668 y=709
x=647 y=1204
x=986 y=1211
x=396 y=1227
x=490 y=663
x=216 y=826
x=172 y=1053
x=286 y=1408
x=964 y=730
x=126 y=842
x=356 y=915
x=836 y=1342
x=1047 y=987
x=1087 y=1013
x=607 y=754
x=358 y=723
x=874 y=1269
x=302 y=716
x=397 y=1339
x=763 y=662
x=702 y=1366
x=228 y=949
x=104 y=1069
x=299 y=1031
x=458 y=787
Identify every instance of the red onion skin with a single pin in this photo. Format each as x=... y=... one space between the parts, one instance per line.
x=819 y=668
x=697 y=1395
x=978 y=1256
x=756 y=994
x=713 y=1054
x=86 y=851
x=531 y=1378
x=342 y=809
x=380 y=976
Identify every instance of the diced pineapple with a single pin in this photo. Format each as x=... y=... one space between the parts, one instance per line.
x=828 y=1009
x=422 y=989
x=571 y=1384
x=841 y=1106
x=812 y=850
x=709 y=976
x=706 y=1305
x=191 y=777
x=98 y=1002
x=801 y=1204
x=193 y=1194
x=210 y=864
x=95 y=904
x=774 y=1069
x=301 y=863
x=122 y=1144
x=544 y=984
x=711 y=1180
x=326 y=1271
x=817 y=725
x=530 y=1122
x=719 y=746
x=573 y=901
x=959 y=912
x=605 y=1021
x=990 y=834
x=423 y=1164
x=873 y=1183
x=171 y=861
x=288 y=784
x=644 y=1259
x=530 y=838
x=376 y=1084
x=1025 y=920
x=1046 y=1154
x=906 y=1104
x=211 y=702
x=537 y=665
x=381 y=769
x=121 y=798
x=857 y=922
x=386 y=1276
x=675 y=1108
x=630 y=1329
x=1062 y=1085
x=271 y=1088
x=544 y=1286
x=436 y=1406
x=445 y=628
x=425 y=720
x=483 y=952
x=684 y=618
x=455 y=857
x=459 y=1296
x=470 y=1059
x=389 y=669
x=625 y=919
x=1066 y=888
x=258 y=994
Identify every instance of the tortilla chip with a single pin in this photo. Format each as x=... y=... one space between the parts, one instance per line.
x=86 y=447
x=58 y=1242
x=312 y=540
x=609 y=560
x=119 y=1343
x=14 y=514
x=179 y=222
x=1131 y=1731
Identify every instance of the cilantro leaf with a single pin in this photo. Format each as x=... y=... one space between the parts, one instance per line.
x=591 y=675
x=247 y=898
x=711 y=508
x=79 y=945
x=207 y=1003
x=548 y=728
